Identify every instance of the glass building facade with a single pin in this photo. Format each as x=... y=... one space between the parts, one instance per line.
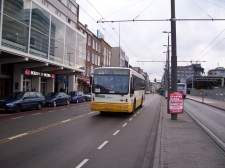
x=27 y=26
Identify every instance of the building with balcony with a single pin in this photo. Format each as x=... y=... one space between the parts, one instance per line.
x=40 y=46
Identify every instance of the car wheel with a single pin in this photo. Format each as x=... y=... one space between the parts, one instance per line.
x=67 y=102
x=39 y=106
x=18 y=108
x=54 y=104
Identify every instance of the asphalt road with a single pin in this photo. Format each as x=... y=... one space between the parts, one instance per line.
x=73 y=136
x=211 y=119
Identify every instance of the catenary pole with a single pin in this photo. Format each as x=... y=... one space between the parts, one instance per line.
x=174 y=53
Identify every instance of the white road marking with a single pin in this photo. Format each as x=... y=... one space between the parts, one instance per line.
x=135 y=115
x=51 y=111
x=82 y=163
x=90 y=112
x=65 y=120
x=17 y=136
x=64 y=109
x=124 y=124
x=37 y=114
x=101 y=146
x=130 y=119
x=17 y=117
x=116 y=132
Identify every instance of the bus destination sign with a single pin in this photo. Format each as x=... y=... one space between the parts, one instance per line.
x=112 y=71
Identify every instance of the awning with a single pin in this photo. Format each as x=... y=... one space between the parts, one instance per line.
x=87 y=81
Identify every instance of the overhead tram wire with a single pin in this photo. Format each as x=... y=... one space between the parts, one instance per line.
x=121 y=10
x=144 y=10
x=201 y=9
x=98 y=24
x=210 y=43
x=215 y=4
x=113 y=29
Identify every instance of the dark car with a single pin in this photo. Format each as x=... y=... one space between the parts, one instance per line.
x=57 y=98
x=77 y=96
x=22 y=100
x=87 y=97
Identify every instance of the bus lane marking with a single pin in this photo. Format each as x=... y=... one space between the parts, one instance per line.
x=65 y=121
x=16 y=118
x=40 y=129
x=124 y=124
x=17 y=136
x=116 y=132
x=82 y=163
x=51 y=111
x=102 y=145
x=36 y=114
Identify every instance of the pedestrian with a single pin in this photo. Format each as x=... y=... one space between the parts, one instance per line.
x=61 y=89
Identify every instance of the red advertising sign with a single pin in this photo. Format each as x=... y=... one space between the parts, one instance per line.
x=176 y=103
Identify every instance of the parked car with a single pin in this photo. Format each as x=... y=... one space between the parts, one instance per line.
x=57 y=98
x=147 y=92
x=22 y=100
x=87 y=97
x=77 y=96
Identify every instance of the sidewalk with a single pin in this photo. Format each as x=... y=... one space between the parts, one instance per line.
x=182 y=143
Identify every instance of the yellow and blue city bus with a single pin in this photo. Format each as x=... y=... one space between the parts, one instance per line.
x=116 y=89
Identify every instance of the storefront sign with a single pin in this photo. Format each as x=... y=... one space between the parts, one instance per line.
x=176 y=103
x=36 y=73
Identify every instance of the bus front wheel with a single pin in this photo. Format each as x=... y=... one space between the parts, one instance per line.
x=134 y=105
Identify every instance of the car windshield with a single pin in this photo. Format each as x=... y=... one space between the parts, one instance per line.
x=73 y=93
x=16 y=95
x=52 y=94
x=110 y=84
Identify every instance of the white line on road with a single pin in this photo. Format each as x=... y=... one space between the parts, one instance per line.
x=124 y=124
x=51 y=111
x=101 y=146
x=17 y=136
x=65 y=120
x=17 y=117
x=82 y=163
x=116 y=132
x=130 y=119
x=37 y=114
x=72 y=107
x=90 y=112
x=135 y=115
x=64 y=109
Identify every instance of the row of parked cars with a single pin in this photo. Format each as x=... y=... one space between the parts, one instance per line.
x=30 y=99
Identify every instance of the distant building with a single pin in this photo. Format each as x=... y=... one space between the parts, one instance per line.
x=219 y=71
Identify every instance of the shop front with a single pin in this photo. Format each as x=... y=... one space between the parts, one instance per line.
x=37 y=81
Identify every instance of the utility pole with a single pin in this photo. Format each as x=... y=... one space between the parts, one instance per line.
x=174 y=53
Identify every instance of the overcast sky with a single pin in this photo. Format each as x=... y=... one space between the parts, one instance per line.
x=144 y=40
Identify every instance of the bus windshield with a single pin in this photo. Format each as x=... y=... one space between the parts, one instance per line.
x=110 y=84
x=181 y=86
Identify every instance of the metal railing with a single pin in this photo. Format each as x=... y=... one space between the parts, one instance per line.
x=216 y=93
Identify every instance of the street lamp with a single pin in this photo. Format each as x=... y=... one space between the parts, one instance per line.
x=168 y=70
